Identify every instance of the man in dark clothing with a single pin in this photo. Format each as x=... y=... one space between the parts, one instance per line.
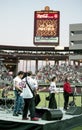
x=67 y=92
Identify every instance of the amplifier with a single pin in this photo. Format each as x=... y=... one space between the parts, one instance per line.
x=74 y=110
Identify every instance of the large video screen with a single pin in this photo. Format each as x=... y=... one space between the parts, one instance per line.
x=46 y=27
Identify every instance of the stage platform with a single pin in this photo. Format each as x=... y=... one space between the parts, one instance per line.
x=10 y=122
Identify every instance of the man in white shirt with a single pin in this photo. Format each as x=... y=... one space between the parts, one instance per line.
x=17 y=87
x=28 y=95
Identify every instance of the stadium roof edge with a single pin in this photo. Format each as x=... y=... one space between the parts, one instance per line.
x=29 y=48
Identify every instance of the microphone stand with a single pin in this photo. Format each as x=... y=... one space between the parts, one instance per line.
x=58 y=96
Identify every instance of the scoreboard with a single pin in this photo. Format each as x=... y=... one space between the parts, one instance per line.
x=46 y=27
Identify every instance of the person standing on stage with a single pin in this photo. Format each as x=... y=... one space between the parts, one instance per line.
x=53 y=91
x=17 y=87
x=29 y=99
x=67 y=92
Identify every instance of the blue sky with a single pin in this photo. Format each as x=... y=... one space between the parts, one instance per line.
x=17 y=19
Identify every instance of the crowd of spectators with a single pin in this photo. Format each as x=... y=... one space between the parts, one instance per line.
x=61 y=71
x=46 y=72
x=5 y=76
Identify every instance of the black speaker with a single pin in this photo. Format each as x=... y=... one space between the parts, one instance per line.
x=49 y=114
x=74 y=110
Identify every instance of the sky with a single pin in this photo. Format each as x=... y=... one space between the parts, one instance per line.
x=17 y=19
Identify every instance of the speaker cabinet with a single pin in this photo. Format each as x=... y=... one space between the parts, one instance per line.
x=49 y=114
x=74 y=110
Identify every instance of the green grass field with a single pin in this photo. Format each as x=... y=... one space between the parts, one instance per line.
x=77 y=128
x=44 y=103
